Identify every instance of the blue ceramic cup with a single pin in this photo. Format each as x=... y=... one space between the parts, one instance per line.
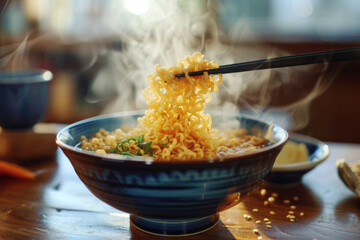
x=23 y=97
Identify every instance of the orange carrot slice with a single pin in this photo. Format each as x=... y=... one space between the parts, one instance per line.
x=14 y=170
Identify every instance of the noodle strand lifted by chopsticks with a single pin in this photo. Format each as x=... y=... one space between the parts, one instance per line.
x=175 y=126
x=175 y=112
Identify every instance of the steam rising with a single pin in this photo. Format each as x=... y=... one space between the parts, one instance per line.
x=173 y=33
x=171 y=30
x=12 y=56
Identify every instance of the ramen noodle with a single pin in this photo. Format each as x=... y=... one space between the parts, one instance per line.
x=175 y=126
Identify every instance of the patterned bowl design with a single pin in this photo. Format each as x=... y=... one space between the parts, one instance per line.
x=172 y=198
x=289 y=174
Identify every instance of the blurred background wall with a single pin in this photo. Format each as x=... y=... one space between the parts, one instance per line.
x=101 y=52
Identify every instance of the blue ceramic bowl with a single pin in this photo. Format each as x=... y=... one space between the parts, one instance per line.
x=170 y=198
x=23 y=98
x=292 y=173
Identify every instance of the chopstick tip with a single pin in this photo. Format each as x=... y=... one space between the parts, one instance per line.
x=180 y=75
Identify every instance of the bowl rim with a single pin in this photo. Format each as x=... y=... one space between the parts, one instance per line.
x=316 y=160
x=27 y=76
x=150 y=160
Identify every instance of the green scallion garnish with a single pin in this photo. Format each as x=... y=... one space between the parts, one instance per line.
x=164 y=144
x=127 y=154
x=147 y=147
x=121 y=148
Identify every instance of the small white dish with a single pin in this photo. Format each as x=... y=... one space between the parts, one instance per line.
x=293 y=172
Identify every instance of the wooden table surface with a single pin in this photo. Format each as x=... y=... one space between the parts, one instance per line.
x=58 y=206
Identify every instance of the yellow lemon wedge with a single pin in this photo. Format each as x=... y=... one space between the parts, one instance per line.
x=292 y=153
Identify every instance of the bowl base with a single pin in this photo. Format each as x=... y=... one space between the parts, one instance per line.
x=178 y=227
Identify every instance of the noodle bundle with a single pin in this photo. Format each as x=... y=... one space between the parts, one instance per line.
x=175 y=126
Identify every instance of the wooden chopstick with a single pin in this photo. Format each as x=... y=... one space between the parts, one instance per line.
x=337 y=55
